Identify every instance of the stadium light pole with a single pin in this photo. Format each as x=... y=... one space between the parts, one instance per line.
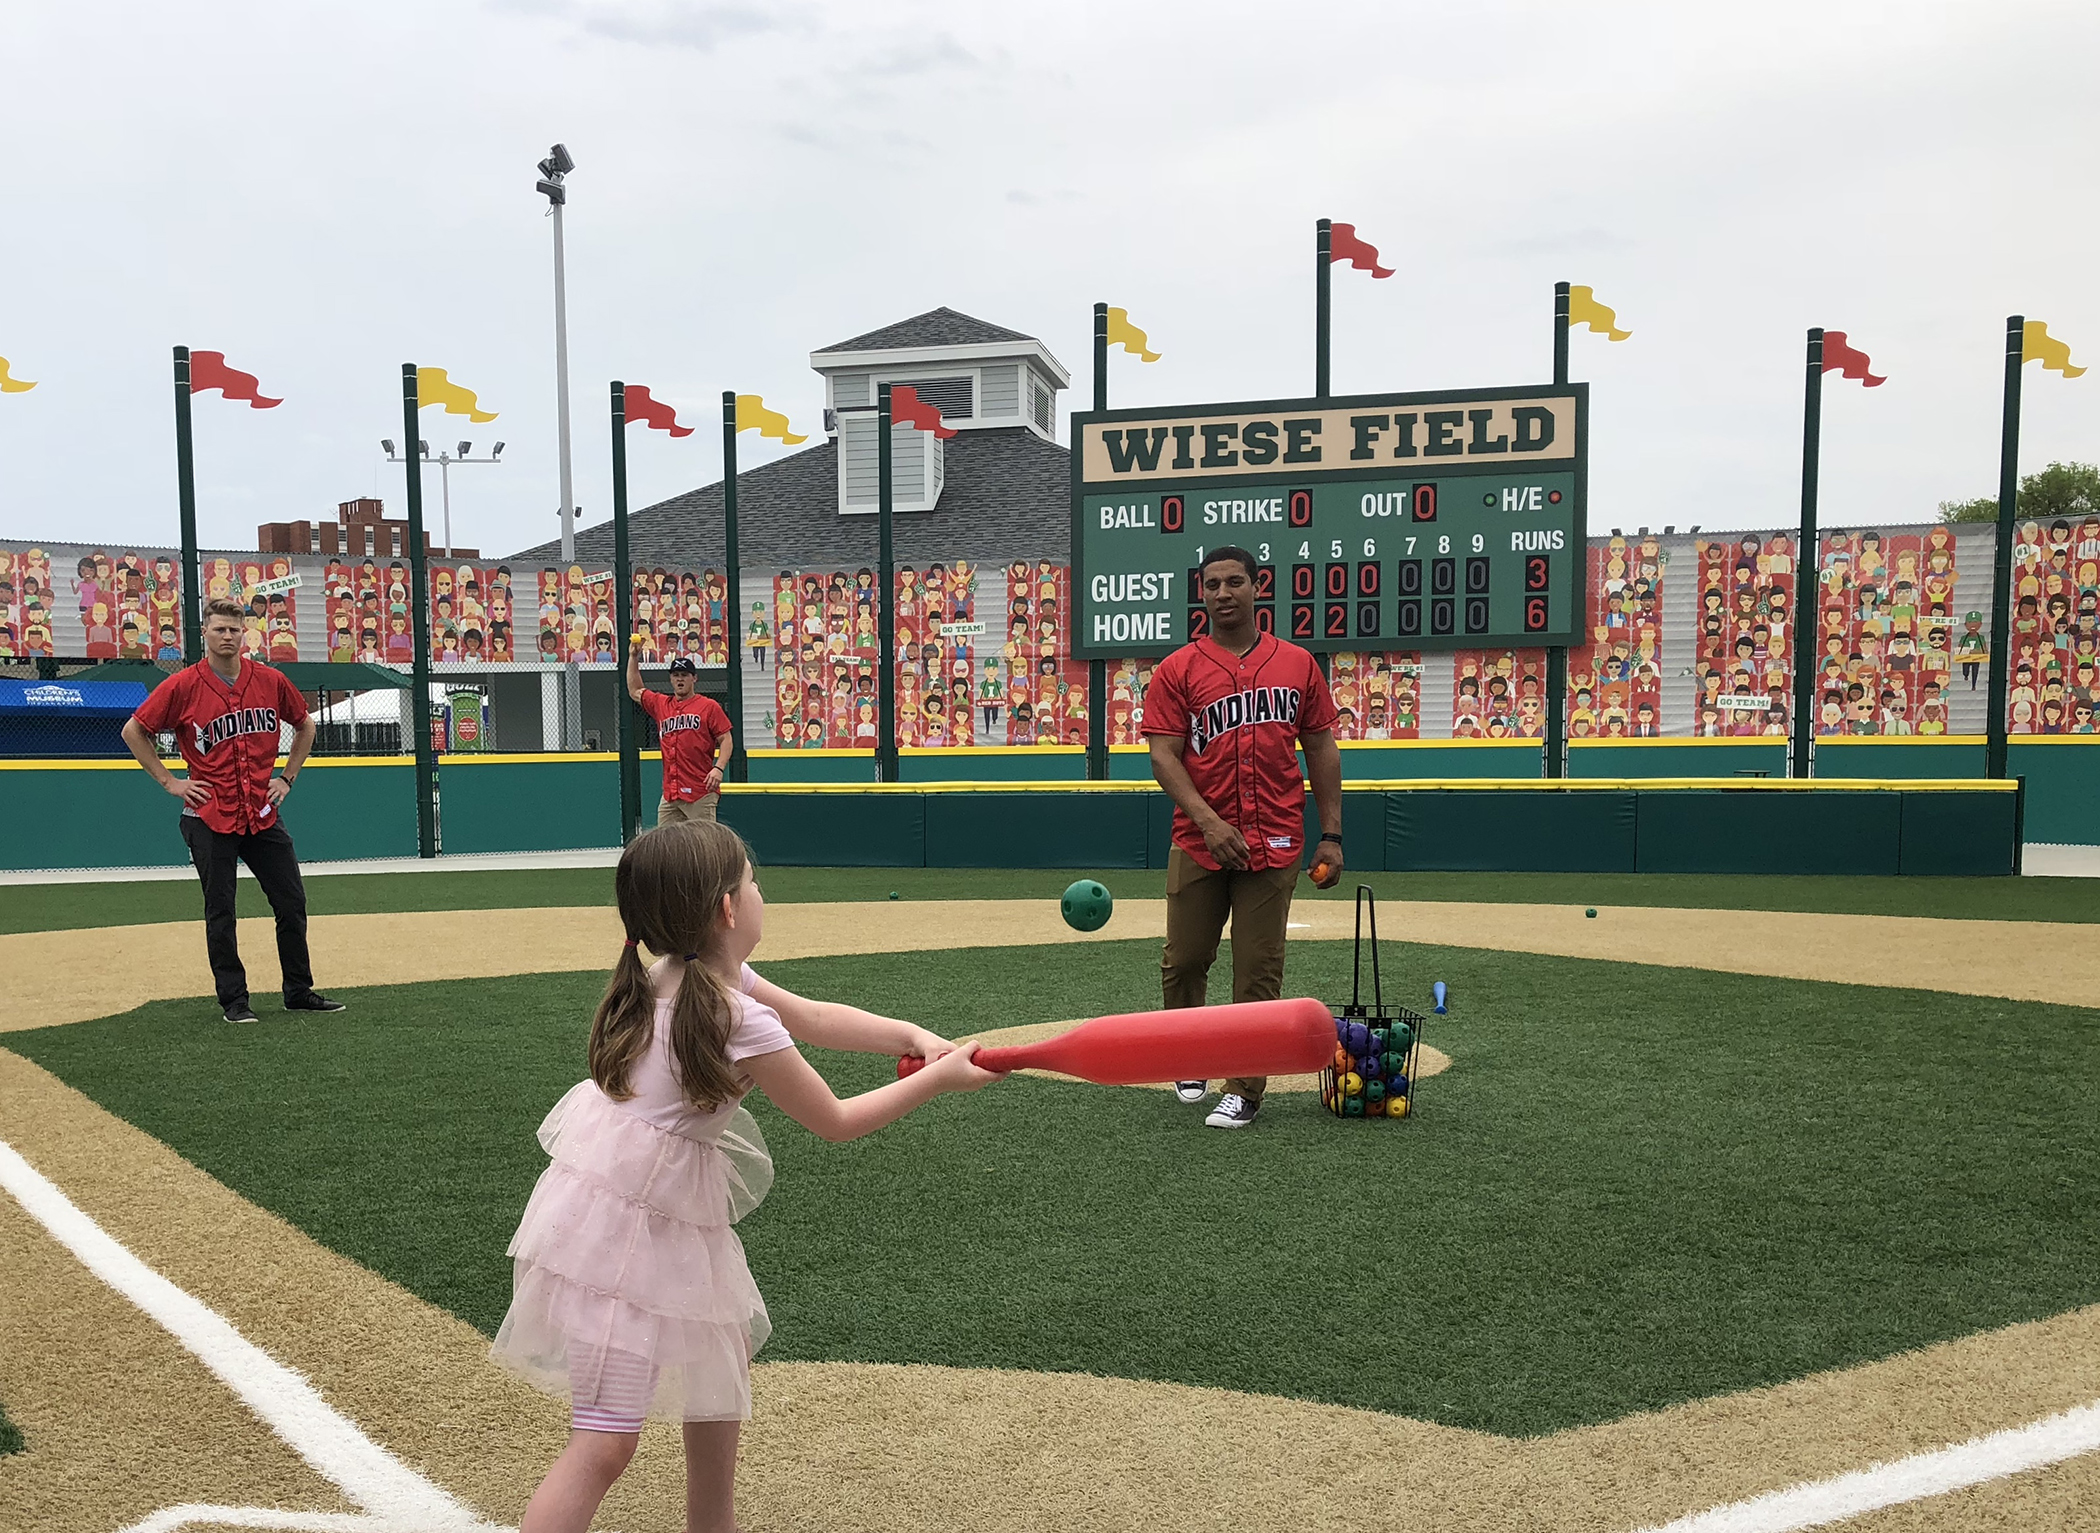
x=445 y=462
x=1097 y=670
x=552 y=185
x=419 y=627
x=1555 y=763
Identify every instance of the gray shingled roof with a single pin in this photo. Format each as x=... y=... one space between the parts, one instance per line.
x=1007 y=495
x=936 y=327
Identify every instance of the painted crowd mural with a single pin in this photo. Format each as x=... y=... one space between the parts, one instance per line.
x=2055 y=629
x=983 y=657
x=1900 y=622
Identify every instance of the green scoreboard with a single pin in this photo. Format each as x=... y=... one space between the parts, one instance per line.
x=1388 y=521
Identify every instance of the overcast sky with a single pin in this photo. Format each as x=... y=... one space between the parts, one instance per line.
x=324 y=191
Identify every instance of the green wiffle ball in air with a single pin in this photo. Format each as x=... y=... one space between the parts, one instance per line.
x=1086 y=906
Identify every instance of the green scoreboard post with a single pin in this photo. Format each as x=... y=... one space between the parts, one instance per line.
x=1444 y=520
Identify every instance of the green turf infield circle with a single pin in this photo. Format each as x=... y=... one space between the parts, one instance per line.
x=1640 y=1185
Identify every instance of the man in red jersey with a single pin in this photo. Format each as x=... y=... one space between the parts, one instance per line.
x=224 y=712
x=694 y=735
x=1225 y=716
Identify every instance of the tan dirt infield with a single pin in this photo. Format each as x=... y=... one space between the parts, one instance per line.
x=849 y=1447
x=73 y=976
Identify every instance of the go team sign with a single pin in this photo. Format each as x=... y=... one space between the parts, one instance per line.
x=1388 y=521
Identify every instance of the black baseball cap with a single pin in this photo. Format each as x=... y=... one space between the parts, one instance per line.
x=687 y=664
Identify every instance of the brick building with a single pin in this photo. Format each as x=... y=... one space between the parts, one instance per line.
x=360 y=530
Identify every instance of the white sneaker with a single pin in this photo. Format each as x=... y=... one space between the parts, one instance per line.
x=1232 y=1111
x=1192 y=1091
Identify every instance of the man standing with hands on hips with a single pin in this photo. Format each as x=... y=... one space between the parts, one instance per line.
x=693 y=733
x=225 y=713
x=1225 y=716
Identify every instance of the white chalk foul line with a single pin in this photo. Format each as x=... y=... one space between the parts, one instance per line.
x=395 y=1496
x=1993 y=1457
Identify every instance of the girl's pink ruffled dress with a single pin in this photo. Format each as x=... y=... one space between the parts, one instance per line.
x=630 y=1294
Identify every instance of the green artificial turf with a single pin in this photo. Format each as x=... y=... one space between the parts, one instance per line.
x=59 y=907
x=1637 y=1186
x=10 y=1435
x=63 y=907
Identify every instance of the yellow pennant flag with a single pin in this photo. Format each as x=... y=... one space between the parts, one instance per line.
x=1583 y=309
x=12 y=385
x=434 y=388
x=2038 y=345
x=752 y=415
x=1121 y=332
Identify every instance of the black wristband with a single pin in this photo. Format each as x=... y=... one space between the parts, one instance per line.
x=1332 y=836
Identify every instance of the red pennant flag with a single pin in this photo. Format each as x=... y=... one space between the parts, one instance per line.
x=1343 y=245
x=906 y=406
x=1846 y=361
x=652 y=412
x=208 y=370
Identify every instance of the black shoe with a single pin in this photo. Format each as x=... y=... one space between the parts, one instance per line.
x=313 y=1000
x=1192 y=1091
x=240 y=1011
x=1232 y=1111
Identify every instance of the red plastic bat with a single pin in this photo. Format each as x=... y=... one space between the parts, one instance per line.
x=208 y=370
x=1847 y=360
x=1192 y=1043
x=651 y=412
x=1343 y=245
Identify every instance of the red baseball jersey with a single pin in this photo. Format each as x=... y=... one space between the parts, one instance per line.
x=227 y=732
x=1241 y=716
x=688 y=730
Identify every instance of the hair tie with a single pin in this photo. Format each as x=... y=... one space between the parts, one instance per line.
x=692 y=957
x=631 y=942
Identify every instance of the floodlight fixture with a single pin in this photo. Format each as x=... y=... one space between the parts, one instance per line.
x=498 y=452
x=425 y=447
x=387 y=443
x=465 y=448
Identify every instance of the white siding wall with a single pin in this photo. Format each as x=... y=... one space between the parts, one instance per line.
x=1002 y=391
x=916 y=465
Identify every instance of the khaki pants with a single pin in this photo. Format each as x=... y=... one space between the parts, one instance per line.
x=1198 y=901
x=678 y=811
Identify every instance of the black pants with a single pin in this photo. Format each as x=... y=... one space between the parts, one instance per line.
x=270 y=858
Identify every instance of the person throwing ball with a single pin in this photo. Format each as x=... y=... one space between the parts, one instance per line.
x=225 y=713
x=1224 y=716
x=693 y=732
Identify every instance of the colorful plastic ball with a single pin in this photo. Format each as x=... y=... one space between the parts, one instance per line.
x=1359 y=1039
x=1374 y=1091
x=1374 y=1107
x=1403 y=1038
x=1352 y=1085
x=1369 y=1066
x=1343 y=1059
x=1396 y=1086
x=1353 y=1107
x=1396 y=1107
x=1086 y=906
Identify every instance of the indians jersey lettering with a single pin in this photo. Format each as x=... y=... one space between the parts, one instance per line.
x=227 y=733
x=1241 y=716
x=1258 y=705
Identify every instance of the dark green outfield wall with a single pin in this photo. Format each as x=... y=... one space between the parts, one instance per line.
x=75 y=815
x=117 y=817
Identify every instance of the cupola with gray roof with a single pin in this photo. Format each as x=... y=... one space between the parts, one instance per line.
x=980 y=376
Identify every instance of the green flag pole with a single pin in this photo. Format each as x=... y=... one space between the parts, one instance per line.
x=419 y=623
x=1806 y=561
x=733 y=602
x=2001 y=572
x=1555 y=764
x=629 y=734
x=1323 y=307
x=1097 y=670
x=885 y=596
x=186 y=500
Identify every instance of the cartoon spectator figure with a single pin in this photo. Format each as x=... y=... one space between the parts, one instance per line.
x=1972 y=647
x=758 y=636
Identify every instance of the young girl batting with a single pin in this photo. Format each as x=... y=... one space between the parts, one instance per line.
x=631 y=1297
